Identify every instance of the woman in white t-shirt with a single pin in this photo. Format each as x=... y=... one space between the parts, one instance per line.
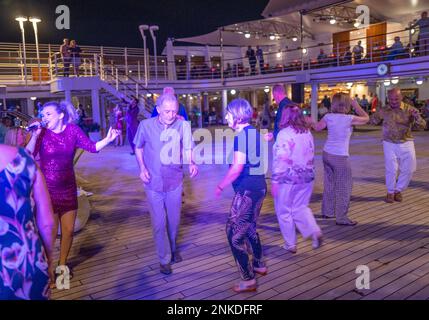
x=337 y=168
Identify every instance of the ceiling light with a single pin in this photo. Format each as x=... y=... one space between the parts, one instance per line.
x=272 y=37
x=294 y=39
x=419 y=81
x=413 y=31
x=267 y=90
x=350 y=84
x=279 y=54
x=356 y=24
x=386 y=83
x=149 y=95
x=233 y=92
x=21 y=19
x=33 y=98
x=395 y=80
x=304 y=50
x=35 y=20
x=247 y=35
x=332 y=21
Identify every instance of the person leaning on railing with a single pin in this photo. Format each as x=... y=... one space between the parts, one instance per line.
x=423 y=37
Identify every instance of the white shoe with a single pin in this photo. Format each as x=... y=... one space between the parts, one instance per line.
x=291 y=249
x=317 y=240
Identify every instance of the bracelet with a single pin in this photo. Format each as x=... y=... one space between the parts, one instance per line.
x=220 y=188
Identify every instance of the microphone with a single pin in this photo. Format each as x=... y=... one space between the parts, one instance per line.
x=35 y=126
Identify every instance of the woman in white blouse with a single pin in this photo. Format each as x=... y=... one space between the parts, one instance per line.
x=336 y=159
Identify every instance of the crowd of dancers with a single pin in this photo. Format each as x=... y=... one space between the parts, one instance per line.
x=27 y=269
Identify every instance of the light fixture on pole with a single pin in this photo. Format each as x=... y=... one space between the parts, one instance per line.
x=21 y=21
x=142 y=29
x=35 y=21
x=152 y=29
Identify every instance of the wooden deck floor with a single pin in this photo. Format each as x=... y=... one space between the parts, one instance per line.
x=114 y=256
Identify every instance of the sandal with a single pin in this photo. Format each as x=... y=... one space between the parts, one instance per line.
x=262 y=271
x=347 y=223
x=242 y=287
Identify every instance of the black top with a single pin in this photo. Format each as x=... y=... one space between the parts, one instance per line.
x=75 y=52
x=248 y=141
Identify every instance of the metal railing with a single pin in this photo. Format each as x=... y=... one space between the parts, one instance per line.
x=377 y=48
x=129 y=63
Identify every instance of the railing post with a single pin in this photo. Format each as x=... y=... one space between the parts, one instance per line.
x=85 y=67
x=90 y=67
x=117 y=80
x=338 y=54
x=50 y=61
x=137 y=89
x=56 y=64
x=21 y=63
x=370 y=49
x=302 y=60
x=126 y=61
x=410 y=41
x=138 y=69
x=112 y=69
x=50 y=66
x=96 y=66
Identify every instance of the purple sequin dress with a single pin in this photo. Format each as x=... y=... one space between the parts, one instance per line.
x=57 y=152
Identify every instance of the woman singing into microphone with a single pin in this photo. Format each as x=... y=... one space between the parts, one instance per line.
x=56 y=145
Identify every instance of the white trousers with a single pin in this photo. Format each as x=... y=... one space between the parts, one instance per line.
x=292 y=211
x=400 y=156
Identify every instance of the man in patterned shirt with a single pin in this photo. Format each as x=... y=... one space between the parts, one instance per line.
x=398 y=119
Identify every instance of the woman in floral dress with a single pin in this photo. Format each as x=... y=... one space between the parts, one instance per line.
x=25 y=262
x=292 y=178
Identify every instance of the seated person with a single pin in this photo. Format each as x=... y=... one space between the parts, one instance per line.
x=322 y=57
x=396 y=51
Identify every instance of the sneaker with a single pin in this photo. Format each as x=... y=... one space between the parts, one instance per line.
x=165 y=268
x=398 y=197
x=390 y=198
x=291 y=249
x=176 y=257
x=317 y=240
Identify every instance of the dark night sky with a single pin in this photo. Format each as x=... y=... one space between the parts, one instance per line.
x=115 y=23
